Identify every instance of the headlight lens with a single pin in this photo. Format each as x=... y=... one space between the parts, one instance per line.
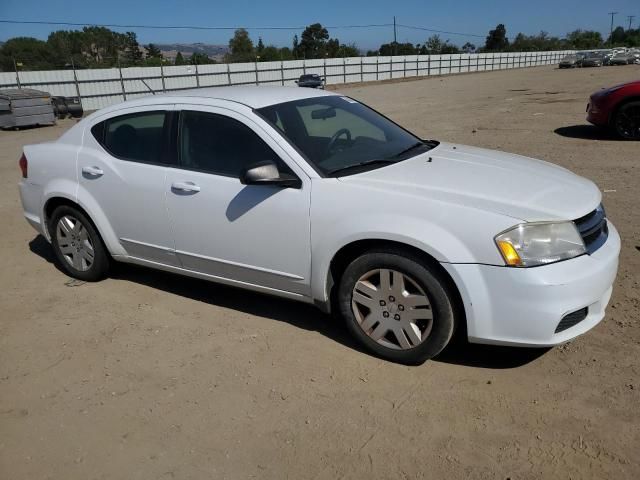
x=533 y=244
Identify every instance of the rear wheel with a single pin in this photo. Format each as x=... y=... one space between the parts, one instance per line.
x=626 y=121
x=396 y=306
x=77 y=245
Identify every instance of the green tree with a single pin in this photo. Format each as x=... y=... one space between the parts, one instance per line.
x=313 y=42
x=102 y=46
x=497 y=39
x=131 y=52
x=260 y=47
x=200 y=59
x=295 y=50
x=584 y=39
x=66 y=47
x=617 y=37
x=32 y=53
x=153 y=51
x=395 y=48
x=468 y=47
x=179 y=59
x=240 y=47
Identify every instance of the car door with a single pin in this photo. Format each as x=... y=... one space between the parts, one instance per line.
x=122 y=166
x=256 y=235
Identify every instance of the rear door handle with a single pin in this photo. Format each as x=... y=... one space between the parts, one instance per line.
x=185 y=187
x=92 y=171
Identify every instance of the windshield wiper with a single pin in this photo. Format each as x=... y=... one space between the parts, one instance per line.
x=411 y=148
x=378 y=161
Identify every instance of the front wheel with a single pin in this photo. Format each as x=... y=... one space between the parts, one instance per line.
x=77 y=245
x=626 y=121
x=396 y=306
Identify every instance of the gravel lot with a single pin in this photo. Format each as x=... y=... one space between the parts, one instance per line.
x=148 y=375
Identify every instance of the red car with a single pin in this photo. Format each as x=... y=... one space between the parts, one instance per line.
x=617 y=108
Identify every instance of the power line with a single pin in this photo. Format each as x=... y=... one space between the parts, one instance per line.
x=204 y=27
x=413 y=27
x=182 y=27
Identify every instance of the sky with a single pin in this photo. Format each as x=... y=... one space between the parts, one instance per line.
x=466 y=16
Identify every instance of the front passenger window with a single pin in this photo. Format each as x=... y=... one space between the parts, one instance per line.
x=221 y=145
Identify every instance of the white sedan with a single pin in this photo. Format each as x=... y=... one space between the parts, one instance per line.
x=313 y=196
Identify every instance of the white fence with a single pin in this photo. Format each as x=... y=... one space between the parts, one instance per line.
x=101 y=87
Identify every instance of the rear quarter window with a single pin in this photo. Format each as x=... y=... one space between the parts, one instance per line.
x=138 y=137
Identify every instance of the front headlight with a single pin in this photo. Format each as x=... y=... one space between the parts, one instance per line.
x=533 y=244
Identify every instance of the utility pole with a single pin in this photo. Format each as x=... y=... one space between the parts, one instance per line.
x=613 y=14
x=395 y=37
x=630 y=18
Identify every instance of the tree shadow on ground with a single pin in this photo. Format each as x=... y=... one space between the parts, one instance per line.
x=299 y=315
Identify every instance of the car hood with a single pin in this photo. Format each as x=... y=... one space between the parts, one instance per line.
x=512 y=185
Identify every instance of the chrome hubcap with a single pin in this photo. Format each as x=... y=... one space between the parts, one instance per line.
x=392 y=309
x=74 y=243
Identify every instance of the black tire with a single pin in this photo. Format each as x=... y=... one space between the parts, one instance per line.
x=99 y=268
x=428 y=279
x=624 y=118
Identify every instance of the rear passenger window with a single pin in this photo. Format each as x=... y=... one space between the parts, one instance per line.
x=137 y=136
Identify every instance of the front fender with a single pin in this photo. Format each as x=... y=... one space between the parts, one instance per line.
x=428 y=237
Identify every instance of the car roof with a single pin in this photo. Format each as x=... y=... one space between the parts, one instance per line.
x=252 y=96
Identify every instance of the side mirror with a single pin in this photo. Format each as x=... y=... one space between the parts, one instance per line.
x=266 y=173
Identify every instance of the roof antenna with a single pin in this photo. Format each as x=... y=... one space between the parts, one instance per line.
x=146 y=85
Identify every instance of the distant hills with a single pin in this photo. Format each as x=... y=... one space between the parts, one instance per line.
x=170 y=50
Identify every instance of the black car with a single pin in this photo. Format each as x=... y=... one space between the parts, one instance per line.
x=593 y=60
x=310 y=80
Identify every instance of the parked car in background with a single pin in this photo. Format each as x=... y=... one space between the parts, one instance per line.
x=313 y=196
x=634 y=57
x=621 y=58
x=570 y=61
x=593 y=59
x=617 y=108
x=310 y=80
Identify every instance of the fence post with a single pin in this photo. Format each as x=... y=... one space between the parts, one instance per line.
x=304 y=66
x=324 y=69
x=361 y=70
x=75 y=80
x=377 y=66
x=282 y=71
x=197 y=77
x=344 y=69
x=228 y=74
x=428 y=65
x=15 y=66
x=162 y=76
x=256 y=66
x=124 y=93
x=417 y=65
x=404 y=67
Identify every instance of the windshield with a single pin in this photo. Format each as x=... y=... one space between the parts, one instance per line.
x=340 y=136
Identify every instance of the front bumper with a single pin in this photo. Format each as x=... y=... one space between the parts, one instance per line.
x=596 y=113
x=523 y=306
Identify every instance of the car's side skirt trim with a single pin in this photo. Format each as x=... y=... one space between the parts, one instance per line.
x=213 y=278
x=240 y=265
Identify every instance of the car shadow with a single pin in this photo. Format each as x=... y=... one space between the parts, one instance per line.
x=587 y=132
x=297 y=314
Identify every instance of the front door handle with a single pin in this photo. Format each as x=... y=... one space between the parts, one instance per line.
x=185 y=187
x=92 y=171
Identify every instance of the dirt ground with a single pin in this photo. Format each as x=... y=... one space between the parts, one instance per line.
x=152 y=376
